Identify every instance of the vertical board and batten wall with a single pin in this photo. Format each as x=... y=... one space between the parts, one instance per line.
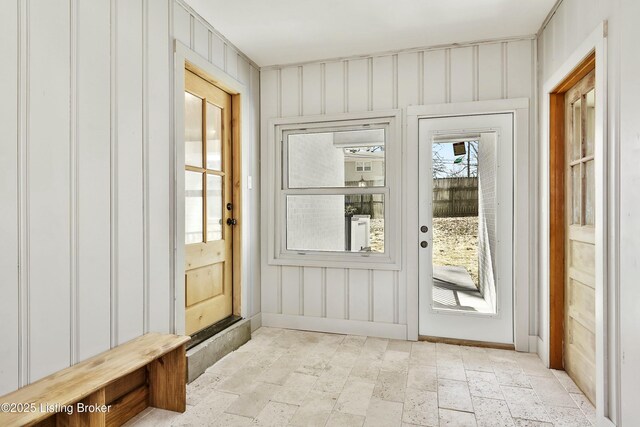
x=340 y=299
x=571 y=24
x=194 y=32
x=629 y=212
x=86 y=113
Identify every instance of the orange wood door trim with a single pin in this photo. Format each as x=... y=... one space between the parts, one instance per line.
x=557 y=209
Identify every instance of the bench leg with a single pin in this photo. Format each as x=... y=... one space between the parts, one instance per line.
x=168 y=381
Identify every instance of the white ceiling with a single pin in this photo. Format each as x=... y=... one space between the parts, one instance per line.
x=288 y=31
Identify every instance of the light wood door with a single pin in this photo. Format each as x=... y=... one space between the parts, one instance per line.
x=579 y=347
x=208 y=204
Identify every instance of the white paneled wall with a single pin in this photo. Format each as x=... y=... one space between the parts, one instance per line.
x=369 y=300
x=10 y=207
x=191 y=30
x=571 y=24
x=86 y=113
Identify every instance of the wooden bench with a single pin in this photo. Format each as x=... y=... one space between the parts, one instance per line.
x=115 y=385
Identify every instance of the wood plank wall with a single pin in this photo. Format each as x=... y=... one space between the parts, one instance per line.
x=290 y=294
x=86 y=105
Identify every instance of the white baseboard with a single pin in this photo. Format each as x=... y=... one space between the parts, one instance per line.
x=336 y=326
x=256 y=322
x=539 y=349
x=605 y=422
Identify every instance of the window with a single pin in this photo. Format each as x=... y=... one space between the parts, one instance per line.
x=203 y=172
x=363 y=166
x=336 y=198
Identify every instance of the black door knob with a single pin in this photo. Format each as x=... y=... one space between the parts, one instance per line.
x=424 y=228
x=424 y=244
x=231 y=221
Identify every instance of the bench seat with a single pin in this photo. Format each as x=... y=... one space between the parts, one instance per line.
x=147 y=371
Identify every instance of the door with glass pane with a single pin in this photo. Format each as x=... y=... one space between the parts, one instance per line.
x=579 y=352
x=466 y=228
x=208 y=204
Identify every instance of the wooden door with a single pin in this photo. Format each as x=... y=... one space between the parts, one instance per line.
x=208 y=204
x=579 y=346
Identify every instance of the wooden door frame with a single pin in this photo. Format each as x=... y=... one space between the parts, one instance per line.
x=187 y=59
x=606 y=234
x=557 y=204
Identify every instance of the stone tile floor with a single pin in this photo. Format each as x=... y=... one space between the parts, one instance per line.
x=296 y=378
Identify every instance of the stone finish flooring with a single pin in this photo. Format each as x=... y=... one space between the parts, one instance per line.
x=296 y=378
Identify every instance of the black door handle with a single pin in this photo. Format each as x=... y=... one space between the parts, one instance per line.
x=231 y=221
x=424 y=244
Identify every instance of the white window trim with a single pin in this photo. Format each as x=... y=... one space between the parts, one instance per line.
x=392 y=191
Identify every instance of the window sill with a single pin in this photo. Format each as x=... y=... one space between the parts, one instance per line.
x=338 y=260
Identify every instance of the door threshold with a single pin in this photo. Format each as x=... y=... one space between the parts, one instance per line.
x=212 y=330
x=469 y=343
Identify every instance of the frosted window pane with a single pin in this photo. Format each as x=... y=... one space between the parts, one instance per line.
x=337 y=159
x=337 y=223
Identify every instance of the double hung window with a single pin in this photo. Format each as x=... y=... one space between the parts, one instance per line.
x=336 y=198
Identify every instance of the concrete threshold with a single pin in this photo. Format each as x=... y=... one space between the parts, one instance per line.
x=208 y=352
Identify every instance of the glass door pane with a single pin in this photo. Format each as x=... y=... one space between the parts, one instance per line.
x=192 y=130
x=214 y=137
x=464 y=224
x=193 y=207
x=590 y=122
x=214 y=207
x=576 y=195
x=589 y=196
x=576 y=135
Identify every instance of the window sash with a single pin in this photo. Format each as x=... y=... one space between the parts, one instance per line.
x=284 y=230
x=283 y=167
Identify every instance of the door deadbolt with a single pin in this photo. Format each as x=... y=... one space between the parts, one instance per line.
x=424 y=244
x=229 y=206
x=424 y=228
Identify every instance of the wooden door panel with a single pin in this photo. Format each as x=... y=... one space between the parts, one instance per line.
x=582 y=369
x=582 y=256
x=582 y=234
x=583 y=277
x=207 y=313
x=582 y=340
x=579 y=311
x=581 y=307
x=203 y=254
x=204 y=283
x=209 y=263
